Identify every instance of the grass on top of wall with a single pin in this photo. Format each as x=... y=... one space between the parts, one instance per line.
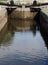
x=2 y=0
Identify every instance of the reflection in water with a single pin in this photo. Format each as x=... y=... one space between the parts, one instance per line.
x=43 y=28
x=45 y=36
x=20 y=25
x=23 y=45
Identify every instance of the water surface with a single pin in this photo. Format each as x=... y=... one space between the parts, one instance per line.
x=23 y=45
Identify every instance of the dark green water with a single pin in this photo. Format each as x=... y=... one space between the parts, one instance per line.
x=23 y=45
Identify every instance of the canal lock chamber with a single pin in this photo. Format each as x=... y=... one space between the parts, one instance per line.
x=23 y=20
x=23 y=42
x=20 y=20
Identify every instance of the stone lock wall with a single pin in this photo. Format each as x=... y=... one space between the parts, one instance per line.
x=23 y=14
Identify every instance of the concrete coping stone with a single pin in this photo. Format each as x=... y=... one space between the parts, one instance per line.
x=45 y=11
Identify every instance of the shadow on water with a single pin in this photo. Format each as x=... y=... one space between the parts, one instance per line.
x=42 y=27
x=45 y=37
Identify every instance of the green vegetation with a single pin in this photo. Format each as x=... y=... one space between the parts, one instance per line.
x=2 y=0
